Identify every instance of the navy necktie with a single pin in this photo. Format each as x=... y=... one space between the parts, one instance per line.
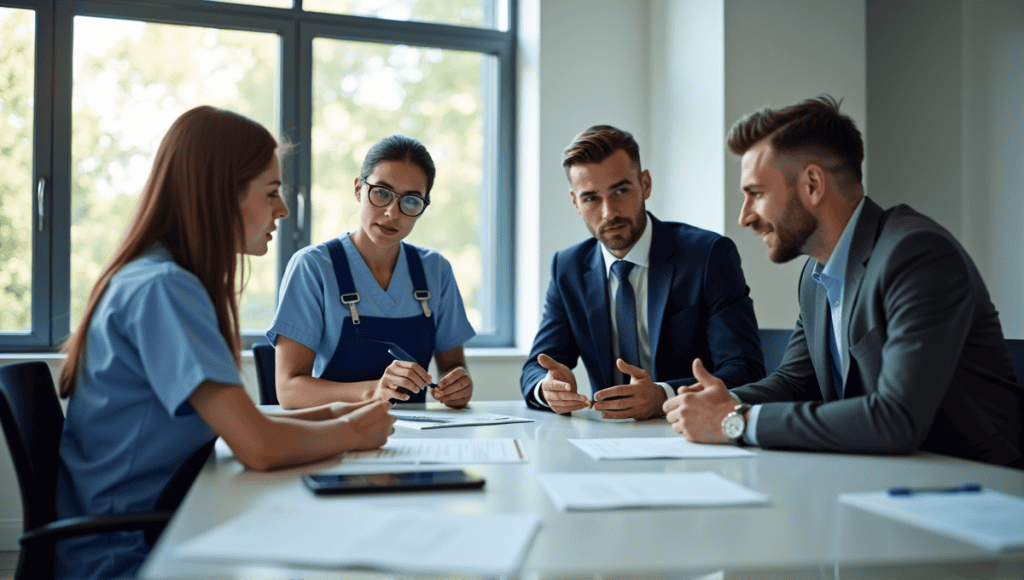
x=625 y=316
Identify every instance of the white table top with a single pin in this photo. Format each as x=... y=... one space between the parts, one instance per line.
x=803 y=533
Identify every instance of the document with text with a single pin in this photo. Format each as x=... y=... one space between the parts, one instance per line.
x=655 y=448
x=444 y=418
x=343 y=535
x=403 y=450
x=987 y=518
x=596 y=491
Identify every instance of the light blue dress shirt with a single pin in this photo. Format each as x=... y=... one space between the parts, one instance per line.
x=832 y=276
x=152 y=340
x=310 y=311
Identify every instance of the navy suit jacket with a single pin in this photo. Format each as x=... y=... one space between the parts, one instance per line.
x=925 y=365
x=698 y=305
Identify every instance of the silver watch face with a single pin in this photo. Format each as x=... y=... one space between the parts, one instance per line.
x=733 y=425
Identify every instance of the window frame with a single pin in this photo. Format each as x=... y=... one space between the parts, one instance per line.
x=51 y=247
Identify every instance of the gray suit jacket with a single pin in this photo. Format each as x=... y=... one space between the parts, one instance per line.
x=926 y=364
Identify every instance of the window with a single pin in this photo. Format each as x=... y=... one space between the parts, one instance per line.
x=331 y=83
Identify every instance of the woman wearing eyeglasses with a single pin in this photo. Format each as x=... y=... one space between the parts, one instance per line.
x=347 y=303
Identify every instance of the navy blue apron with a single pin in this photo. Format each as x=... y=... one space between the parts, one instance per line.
x=362 y=351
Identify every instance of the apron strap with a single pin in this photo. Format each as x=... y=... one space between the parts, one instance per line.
x=419 y=279
x=343 y=274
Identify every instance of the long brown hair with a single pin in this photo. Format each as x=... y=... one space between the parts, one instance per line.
x=191 y=205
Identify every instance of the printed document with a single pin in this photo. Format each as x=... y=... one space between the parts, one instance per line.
x=344 y=534
x=988 y=518
x=595 y=491
x=655 y=448
x=442 y=418
x=406 y=450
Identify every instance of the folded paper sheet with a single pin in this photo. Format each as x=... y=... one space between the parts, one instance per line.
x=348 y=535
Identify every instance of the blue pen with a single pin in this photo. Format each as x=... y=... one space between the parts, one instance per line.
x=966 y=488
x=400 y=354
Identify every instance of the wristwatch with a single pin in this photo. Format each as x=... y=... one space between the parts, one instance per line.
x=734 y=423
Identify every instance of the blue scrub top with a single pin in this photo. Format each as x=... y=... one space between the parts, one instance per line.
x=152 y=340
x=310 y=311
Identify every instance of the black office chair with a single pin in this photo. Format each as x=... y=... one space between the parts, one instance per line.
x=773 y=346
x=32 y=420
x=263 y=355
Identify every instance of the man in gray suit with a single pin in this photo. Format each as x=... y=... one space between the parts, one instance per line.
x=897 y=346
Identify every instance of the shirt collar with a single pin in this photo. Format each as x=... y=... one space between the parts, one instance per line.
x=639 y=254
x=836 y=265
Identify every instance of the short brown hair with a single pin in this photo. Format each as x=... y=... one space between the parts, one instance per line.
x=812 y=128
x=597 y=144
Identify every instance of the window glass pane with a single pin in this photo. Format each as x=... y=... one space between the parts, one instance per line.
x=17 y=78
x=363 y=92
x=462 y=12
x=127 y=91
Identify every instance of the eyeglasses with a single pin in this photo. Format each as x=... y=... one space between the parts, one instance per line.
x=409 y=204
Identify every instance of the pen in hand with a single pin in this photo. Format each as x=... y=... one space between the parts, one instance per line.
x=400 y=354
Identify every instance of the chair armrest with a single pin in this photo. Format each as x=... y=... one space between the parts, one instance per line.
x=153 y=522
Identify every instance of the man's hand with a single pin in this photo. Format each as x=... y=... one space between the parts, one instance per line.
x=559 y=387
x=698 y=410
x=407 y=375
x=455 y=388
x=641 y=399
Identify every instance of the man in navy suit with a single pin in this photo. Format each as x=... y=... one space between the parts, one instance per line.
x=642 y=303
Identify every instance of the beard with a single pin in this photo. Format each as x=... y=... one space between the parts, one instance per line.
x=792 y=231
x=621 y=239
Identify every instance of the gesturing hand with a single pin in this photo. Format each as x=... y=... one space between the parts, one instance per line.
x=698 y=410
x=559 y=387
x=640 y=399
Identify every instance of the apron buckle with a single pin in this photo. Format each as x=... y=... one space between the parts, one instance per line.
x=351 y=299
x=423 y=296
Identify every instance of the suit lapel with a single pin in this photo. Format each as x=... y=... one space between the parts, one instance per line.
x=598 y=313
x=861 y=246
x=820 y=354
x=659 y=281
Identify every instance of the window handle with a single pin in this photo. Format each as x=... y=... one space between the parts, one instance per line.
x=301 y=197
x=41 y=199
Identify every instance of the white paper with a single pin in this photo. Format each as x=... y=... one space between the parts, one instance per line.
x=594 y=491
x=655 y=448
x=402 y=450
x=442 y=418
x=988 y=518
x=329 y=534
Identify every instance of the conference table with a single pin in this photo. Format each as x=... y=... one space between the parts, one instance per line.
x=803 y=532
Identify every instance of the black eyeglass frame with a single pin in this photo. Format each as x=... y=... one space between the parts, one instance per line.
x=371 y=186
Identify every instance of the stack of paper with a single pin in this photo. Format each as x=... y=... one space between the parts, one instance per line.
x=401 y=450
x=594 y=491
x=655 y=448
x=987 y=518
x=346 y=535
x=442 y=418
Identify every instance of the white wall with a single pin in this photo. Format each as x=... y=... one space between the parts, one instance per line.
x=778 y=53
x=946 y=112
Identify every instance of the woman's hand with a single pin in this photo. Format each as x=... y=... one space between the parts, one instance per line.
x=455 y=388
x=407 y=375
x=371 y=424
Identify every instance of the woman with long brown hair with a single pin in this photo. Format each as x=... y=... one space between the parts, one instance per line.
x=152 y=371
